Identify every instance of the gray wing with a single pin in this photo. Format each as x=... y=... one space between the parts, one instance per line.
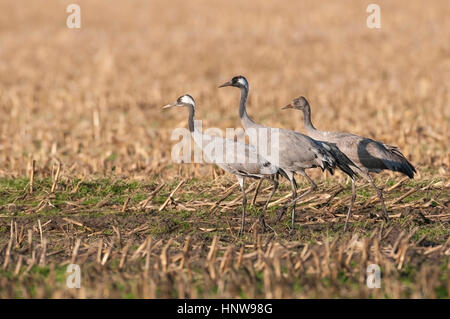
x=298 y=151
x=369 y=154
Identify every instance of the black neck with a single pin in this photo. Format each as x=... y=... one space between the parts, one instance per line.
x=191 y=118
x=243 y=105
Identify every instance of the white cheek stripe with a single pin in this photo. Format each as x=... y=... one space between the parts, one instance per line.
x=187 y=99
x=243 y=82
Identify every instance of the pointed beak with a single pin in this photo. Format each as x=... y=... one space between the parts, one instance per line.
x=169 y=105
x=289 y=106
x=225 y=84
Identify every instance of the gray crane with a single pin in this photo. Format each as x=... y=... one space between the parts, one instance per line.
x=244 y=161
x=296 y=152
x=367 y=155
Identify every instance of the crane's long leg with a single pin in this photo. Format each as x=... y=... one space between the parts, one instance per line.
x=256 y=191
x=313 y=188
x=380 y=196
x=352 y=202
x=291 y=178
x=241 y=181
x=294 y=196
x=261 y=216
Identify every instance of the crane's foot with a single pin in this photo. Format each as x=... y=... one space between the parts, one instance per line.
x=292 y=231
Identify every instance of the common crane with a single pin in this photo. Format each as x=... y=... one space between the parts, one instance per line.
x=367 y=155
x=296 y=152
x=244 y=161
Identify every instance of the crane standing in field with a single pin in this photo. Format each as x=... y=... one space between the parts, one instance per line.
x=296 y=152
x=246 y=162
x=367 y=155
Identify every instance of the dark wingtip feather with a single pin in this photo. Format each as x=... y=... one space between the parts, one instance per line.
x=331 y=170
x=347 y=170
x=404 y=168
x=408 y=169
x=282 y=173
x=402 y=165
x=342 y=161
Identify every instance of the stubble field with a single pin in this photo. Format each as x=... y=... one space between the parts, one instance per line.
x=86 y=175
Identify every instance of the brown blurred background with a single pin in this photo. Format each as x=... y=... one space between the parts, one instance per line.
x=92 y=97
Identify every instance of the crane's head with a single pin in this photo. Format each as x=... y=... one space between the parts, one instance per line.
x=184 y=100
x=238 y=81
x=299 y=103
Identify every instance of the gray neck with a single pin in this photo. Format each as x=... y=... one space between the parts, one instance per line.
x=245 y=119
x=191 y=118
x=307 y=119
